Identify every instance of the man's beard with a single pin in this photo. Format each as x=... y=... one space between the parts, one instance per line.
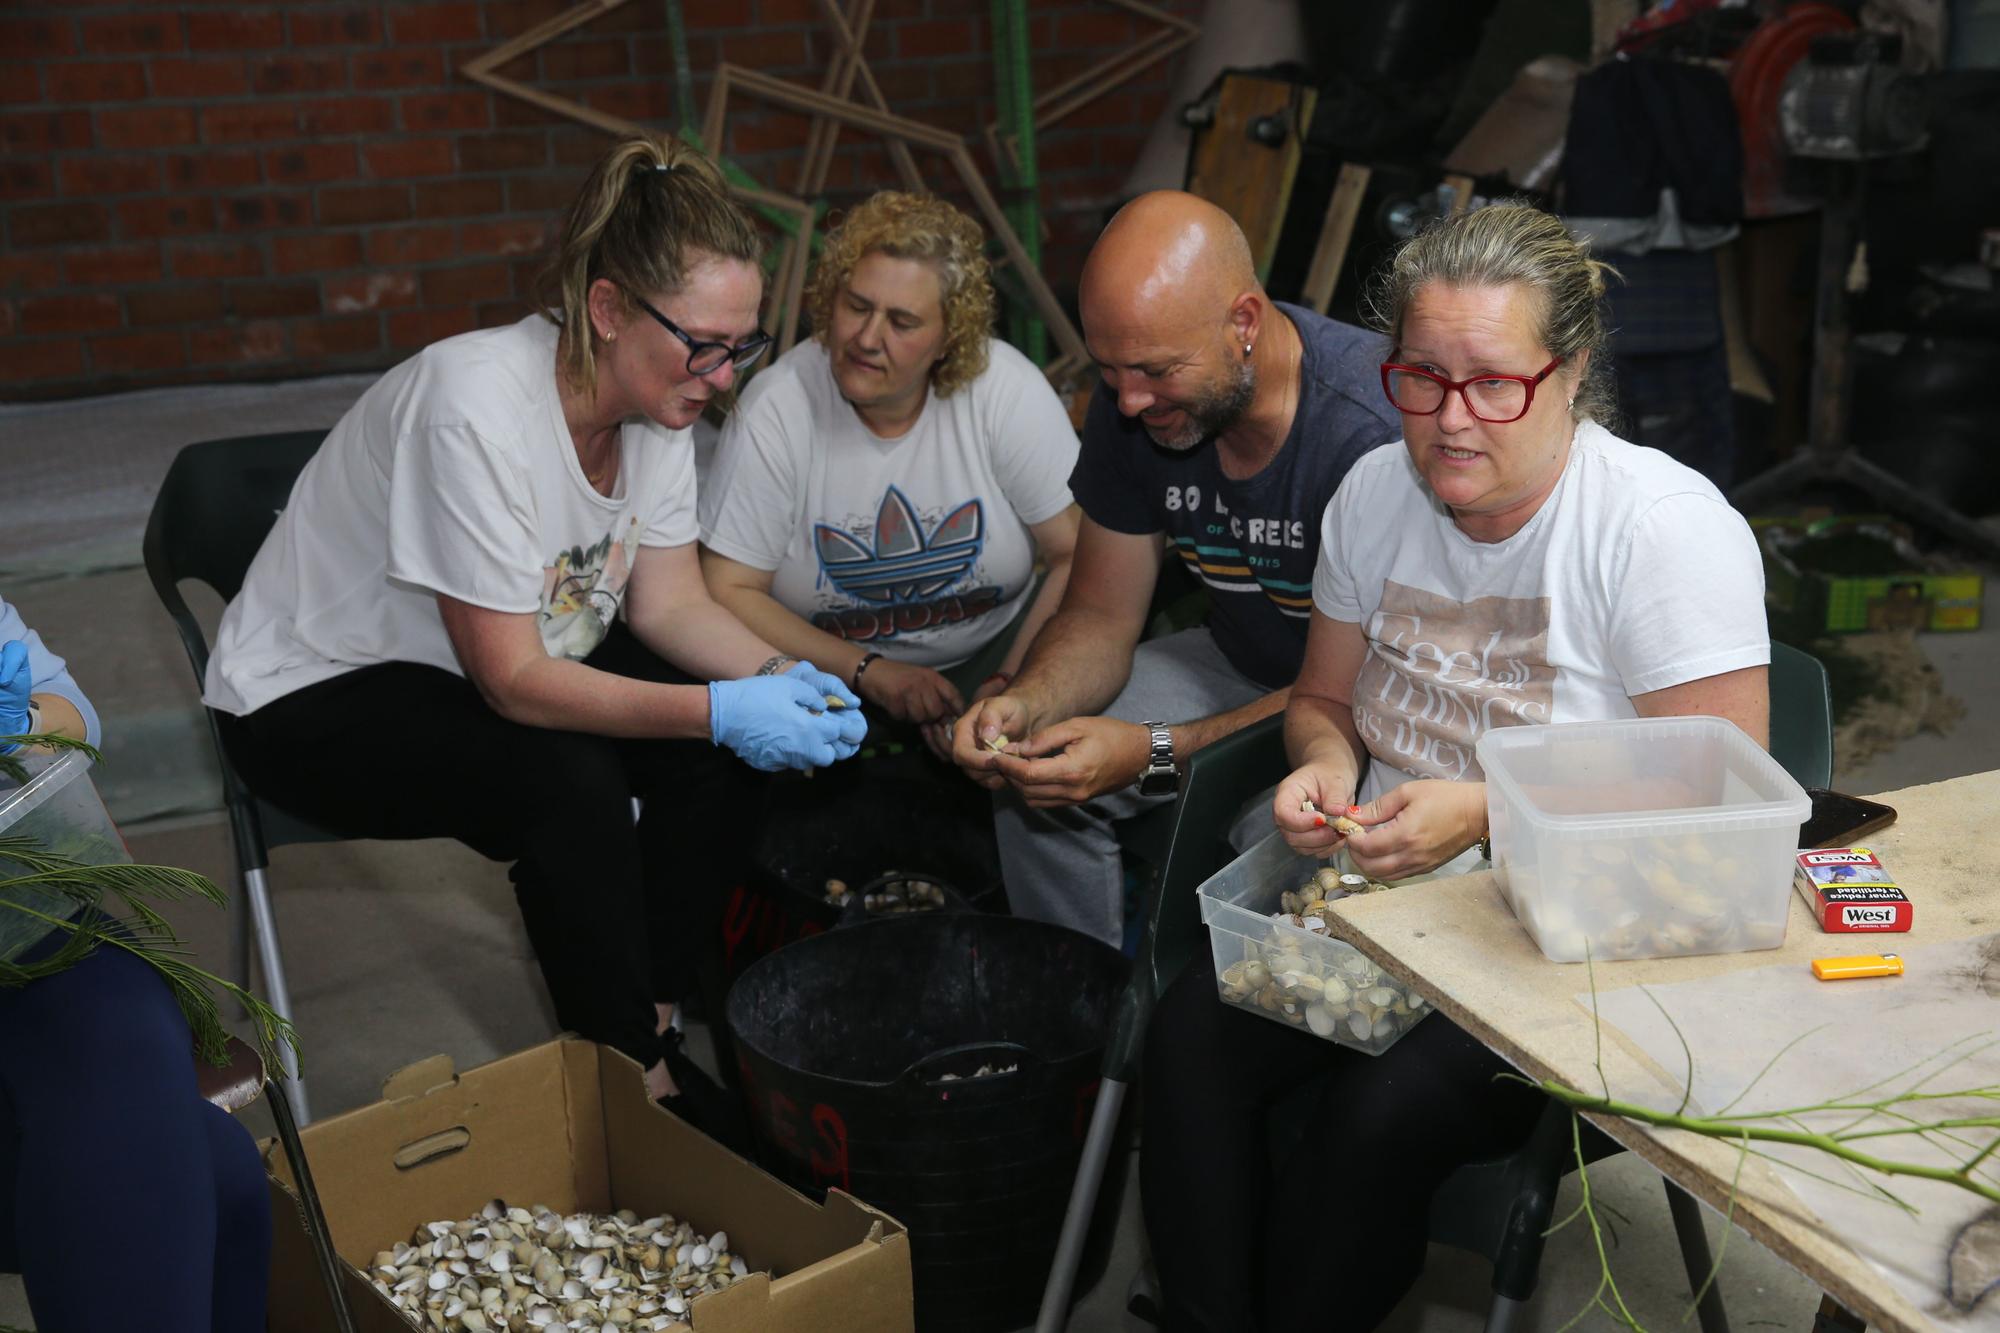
x=1213 y=411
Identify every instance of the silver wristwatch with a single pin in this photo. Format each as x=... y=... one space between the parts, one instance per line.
x=1160 y=777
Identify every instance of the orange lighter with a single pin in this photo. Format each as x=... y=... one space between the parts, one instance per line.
x=1861 y=965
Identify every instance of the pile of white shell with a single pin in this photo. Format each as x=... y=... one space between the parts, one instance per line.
x=891 y=893
x=516 y=1268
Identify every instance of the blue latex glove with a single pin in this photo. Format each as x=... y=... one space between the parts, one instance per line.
x=853 y=726
x=16 y=684
x=776 y=722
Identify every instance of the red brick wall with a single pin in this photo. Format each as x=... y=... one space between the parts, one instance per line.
x=253 y=191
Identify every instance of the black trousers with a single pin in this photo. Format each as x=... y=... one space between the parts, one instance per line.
x=1319 y=1222
x=614 y=910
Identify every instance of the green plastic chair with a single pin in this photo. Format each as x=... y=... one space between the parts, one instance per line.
x=1500 y=1209
x=1801 y=716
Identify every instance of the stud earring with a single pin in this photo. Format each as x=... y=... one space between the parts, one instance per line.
x=1246 y=349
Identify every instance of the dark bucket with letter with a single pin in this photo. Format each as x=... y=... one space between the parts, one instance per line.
x=943 y=1068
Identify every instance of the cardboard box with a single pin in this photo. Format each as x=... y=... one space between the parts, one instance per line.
x=568 y=1124
x=1812 y=602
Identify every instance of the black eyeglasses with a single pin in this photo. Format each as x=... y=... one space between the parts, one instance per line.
x=705 y=358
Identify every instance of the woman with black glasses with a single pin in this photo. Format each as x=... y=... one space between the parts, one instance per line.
x=481 y=615
x=1510 y=562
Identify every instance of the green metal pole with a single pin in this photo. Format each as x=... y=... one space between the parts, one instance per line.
x=677 y=40
x=1003 y=103
x=1015 y=98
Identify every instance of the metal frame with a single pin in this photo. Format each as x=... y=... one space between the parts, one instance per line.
x=313 y=1215
x=1073 y=94
x=900 y=129
x=1065 y=99
x=796 y=217
x=849 y=65
x=831 y=112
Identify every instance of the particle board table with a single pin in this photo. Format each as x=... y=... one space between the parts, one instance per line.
x=1458 y=942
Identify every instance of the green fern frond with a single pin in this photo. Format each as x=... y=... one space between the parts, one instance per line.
x=145 y=934
x=52 y=870
x=12 y=766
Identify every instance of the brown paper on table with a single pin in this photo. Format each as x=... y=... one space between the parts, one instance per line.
x=1864 y=1034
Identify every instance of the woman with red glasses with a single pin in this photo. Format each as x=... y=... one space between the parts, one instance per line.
x=481 y=614
x=1510 y=563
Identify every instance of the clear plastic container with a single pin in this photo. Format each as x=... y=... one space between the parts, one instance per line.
x=1290 y=974
x=57 y=809
x=1642 y=839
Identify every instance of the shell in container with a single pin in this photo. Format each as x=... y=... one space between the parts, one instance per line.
x=1645 y=838
x=1281 y=963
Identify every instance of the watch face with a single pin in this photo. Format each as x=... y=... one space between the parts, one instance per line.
x=1162 y=783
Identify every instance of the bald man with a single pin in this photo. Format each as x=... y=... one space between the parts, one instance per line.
x=1222 y=428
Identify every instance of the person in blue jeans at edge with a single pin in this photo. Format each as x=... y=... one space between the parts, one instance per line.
x=102 y=1129
x=481 y=615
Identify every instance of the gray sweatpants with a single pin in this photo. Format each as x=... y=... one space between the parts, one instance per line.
x=1062 y=865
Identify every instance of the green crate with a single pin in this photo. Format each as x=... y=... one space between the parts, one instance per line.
x=1810 y=602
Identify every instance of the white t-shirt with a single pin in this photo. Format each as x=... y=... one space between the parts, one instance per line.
x=455 y=473
x=917 y=547
x=1634 y=575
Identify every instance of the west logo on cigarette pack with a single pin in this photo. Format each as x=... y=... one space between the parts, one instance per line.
x=1849 y=889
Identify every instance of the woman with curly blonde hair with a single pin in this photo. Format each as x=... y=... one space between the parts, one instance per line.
x=879 y=498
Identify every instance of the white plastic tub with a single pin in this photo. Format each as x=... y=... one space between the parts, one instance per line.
x=1309 y=980
x=1642 y=839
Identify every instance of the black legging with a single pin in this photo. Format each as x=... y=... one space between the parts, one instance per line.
x=1325 y=1230
x=613 y=909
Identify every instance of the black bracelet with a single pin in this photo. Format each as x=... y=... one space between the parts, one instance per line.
x=862 y=666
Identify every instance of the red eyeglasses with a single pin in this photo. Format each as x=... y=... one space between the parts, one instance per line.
x=1496 y=399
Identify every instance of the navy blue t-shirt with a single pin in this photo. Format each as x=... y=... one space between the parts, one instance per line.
x=1254 y=542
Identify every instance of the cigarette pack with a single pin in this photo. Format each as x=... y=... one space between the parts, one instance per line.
x=1849 y=889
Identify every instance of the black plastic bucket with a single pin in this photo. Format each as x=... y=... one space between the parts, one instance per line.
x=856 y=822
x=860 y=1052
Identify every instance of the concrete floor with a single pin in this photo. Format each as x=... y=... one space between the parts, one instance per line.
x=402 y=950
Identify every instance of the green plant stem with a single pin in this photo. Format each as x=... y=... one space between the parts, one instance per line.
x=1734 y=1129
x=1729 y=1218
x=1605 y=1282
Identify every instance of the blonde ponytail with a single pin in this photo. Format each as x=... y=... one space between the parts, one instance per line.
x=651 y=209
